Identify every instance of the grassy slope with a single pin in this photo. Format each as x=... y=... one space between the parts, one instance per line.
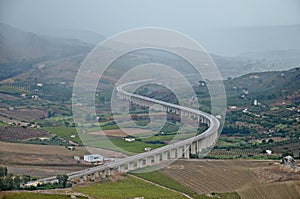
x=128 y=187
x=161 y=179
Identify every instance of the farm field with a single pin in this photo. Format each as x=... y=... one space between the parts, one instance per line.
x=128 y=187
x=45 y=160
x=207 y=176
x=9 y=133
x=162 y=179
x=117 y=187
x=24 y=114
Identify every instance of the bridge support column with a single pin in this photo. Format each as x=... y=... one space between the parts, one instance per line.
x=121 y=168
x=92 y=177
x=108 y=171
x=157 y=158
x=165 y=155
x=148 y=161
x=173 y=153
x=198 y=146
x=193 y=148
x=131 y=166
x=96 y=174
x=187 y=151
x=139 y=163
x=103 y=174
x=179 y=152
x=81 y=180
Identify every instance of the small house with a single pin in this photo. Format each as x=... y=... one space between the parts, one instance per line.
x=269 y=152
x=93 y=158
x=129 y=139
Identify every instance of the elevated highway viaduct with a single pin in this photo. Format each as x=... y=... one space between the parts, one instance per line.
x=179 y=149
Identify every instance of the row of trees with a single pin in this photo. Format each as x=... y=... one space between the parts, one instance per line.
x=9 y=181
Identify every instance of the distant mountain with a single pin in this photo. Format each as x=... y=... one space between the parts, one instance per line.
x=257 y=62
x=20 y=50
x=82 y=35
x=279 y=58
x=267 y=86
x=17 y=45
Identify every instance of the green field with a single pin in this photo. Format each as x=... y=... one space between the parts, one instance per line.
x=161 y=179
x=128 y=187
x=3 y=124
x=117 y=144
x=65 y=132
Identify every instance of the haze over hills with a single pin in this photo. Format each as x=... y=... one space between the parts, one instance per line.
x=17 y=45
x=234 y=41
x=20 y=50
x=83 y=35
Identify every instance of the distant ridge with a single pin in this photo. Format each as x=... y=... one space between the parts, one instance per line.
x=17 y=45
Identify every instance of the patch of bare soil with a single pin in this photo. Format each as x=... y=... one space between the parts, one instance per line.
x=24 y=114
x=9 y=133
x=45 y=160
x=251 y=179
x=275 y=174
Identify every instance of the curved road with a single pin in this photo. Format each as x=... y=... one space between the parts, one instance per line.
x=180 y=149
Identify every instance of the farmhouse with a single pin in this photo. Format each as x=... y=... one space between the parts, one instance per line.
x=129 y=139
x=93 y=158
x=269 y=152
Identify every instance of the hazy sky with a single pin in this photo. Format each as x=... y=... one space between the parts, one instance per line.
x=203 y=20
x=111 y=16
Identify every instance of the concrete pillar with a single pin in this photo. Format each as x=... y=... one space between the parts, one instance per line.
x=180 y=152
x=131 y=166
x=139 y=163
x=198 y=146
x=164 y=108
x=81 y=180
x=172 y=153
x=193 y=148
x=103 y=174
x=165 y=155
x=121 y=168
x=148 y=161
x=84 y=177
x=187 y=151
x=157 y=158
x=108 y=171
x=92 y=177
x=97 y=174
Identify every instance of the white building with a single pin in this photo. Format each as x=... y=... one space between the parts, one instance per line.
x=93 y=158
x=255 y=102
x=269 y=152
x=129 y=139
